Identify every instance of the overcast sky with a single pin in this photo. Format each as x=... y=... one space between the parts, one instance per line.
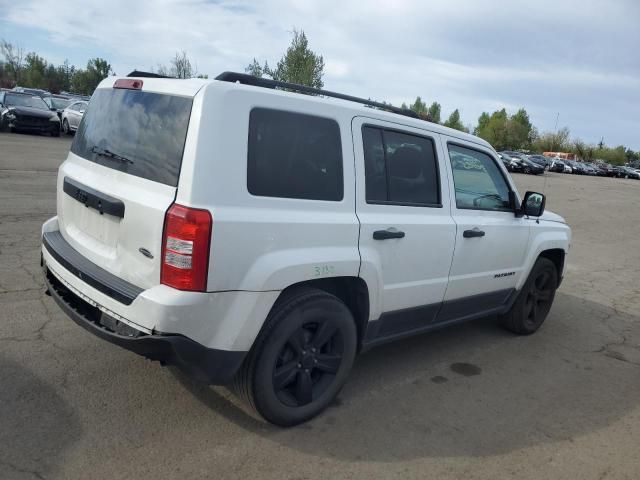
x=580 y=58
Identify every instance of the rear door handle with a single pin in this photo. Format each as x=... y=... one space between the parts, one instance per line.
x=386 y=234
x=473 y=233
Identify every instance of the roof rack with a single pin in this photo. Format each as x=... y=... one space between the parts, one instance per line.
x=138 y=73
x=247 y=79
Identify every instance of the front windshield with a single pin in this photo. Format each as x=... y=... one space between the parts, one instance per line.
x=25 y=101
x=60 y=103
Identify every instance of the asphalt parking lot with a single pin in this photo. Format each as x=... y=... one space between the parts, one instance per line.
x=468 y=402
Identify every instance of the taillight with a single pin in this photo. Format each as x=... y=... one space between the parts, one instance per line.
x=185 y=248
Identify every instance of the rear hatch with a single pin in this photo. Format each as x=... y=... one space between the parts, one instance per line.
x=121 y=177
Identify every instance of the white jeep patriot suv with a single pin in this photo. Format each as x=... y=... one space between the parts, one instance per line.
x=261 y=234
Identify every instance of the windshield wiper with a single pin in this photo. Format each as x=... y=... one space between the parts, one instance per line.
x=103 y=152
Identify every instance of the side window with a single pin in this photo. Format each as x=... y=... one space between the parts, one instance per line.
x=479 y=182
x=293 y=155
x=400 y=168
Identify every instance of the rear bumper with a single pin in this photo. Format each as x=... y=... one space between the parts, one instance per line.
x=204 y=364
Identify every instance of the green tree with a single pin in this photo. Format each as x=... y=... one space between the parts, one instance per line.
x=419 y=107
x=86 y=81
x=553 y=141
x=34 y=72
x=454 y=121
x=434 y=112
x=493 y=128
x=298 y=65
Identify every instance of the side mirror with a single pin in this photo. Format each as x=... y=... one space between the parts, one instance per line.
x=81 y=111
x=532 y=204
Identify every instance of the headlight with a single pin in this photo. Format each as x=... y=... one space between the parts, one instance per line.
x=11 y=116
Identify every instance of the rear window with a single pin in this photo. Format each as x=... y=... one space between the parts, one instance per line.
x=294 y=155
x=136 y=132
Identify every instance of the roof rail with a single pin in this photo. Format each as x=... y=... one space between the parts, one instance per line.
x=247 y=79
x=138 y=73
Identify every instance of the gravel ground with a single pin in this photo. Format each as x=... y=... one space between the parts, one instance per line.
x=468 y=402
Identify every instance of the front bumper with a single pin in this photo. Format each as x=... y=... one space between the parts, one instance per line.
x=204 y=364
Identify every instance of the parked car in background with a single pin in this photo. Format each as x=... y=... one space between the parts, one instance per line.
x=540 y=160
x=27 y=112
x=557 y=165
x=72 y=115
x=605 y=170
x=567 y=168
x=531 y=167
x=589 y=169
x=577 y=167
x=629 y=172
x=57 y=104
x=511 y=164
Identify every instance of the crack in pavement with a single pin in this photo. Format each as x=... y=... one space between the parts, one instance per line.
x=18 y=469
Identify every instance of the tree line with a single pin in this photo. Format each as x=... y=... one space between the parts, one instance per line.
x=301 y=65
x=18 y=68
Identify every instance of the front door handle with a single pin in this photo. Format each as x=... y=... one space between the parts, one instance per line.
x=386 y=234
x=473 y=233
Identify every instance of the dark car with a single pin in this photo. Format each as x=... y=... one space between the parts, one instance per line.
x=557 y=166
x=629 y=172
x=540 y=160
x=531 y=167
x=29 y=113
x=512 y=164
x=605 y=170
x=589 y=169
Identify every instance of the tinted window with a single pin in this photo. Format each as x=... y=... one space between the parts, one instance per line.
x=399 y=168
x=22 y=100
x=293 y=155
x=478 y=180
x=145 y=130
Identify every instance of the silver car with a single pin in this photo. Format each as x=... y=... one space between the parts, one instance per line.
x=72 y=115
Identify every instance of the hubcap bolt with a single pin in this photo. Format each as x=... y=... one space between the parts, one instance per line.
x=306 y=370
x=315 y=360
x=313 y=350
x=299 y=365
x=304 y=352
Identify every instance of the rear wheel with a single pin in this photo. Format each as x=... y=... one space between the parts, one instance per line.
x=301 y=360
x=532 y=306
x=527 y=170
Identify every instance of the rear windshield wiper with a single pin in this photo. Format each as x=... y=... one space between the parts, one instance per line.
x=103 y=152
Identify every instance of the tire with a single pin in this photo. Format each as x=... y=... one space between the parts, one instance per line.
x=527 y=170
x=65 y=127
x=55 y=132
x=301 y=359
x=532 y=306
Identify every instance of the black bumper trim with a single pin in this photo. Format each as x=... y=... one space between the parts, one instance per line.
x=115 y=287
x=203 y=364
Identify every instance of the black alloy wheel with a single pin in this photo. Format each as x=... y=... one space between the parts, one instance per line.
x=539 y=299
x=301 y=358
x=534 y=301
x=308 y=363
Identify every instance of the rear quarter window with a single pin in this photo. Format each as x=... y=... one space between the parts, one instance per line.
x=294 y=155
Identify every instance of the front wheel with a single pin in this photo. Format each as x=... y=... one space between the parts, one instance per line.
x=65 y=127
x=301 y=360
x=532 y=306
x=527 y=170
